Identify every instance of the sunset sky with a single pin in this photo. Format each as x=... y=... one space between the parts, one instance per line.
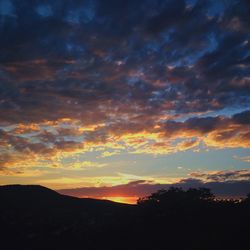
x=121 y=98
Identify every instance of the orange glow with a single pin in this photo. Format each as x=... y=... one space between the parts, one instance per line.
x=119 y=199
x=122 y=199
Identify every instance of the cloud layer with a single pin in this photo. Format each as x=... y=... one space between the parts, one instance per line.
x=113 y=77
x=83 y=61
x=224 y=184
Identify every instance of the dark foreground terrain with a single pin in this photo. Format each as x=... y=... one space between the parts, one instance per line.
x=34 y=217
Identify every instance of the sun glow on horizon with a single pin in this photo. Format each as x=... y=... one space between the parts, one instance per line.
x=119 y=199
x=122 y=199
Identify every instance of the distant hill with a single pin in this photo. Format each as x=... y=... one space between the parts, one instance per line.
x=23 y=195
x=15 y=193
x=31 y=214
x=32 y=200
x=36 y=218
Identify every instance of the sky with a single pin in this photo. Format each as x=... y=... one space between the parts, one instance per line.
x=116 y=99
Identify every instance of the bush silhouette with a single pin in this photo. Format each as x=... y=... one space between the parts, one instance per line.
x=176 y=197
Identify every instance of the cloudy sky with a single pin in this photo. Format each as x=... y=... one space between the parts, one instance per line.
x=112 y=94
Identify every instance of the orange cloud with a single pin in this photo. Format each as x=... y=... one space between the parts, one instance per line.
x=48 y=143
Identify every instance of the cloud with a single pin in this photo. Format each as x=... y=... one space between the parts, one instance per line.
x=112 y=76
x=86 y=165
x=222 y=176
x=225 y=184
x=49 y=62
x=245 y=158
x=48 y=143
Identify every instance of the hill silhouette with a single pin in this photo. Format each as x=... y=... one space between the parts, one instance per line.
x=35 y=217
x=35 y=196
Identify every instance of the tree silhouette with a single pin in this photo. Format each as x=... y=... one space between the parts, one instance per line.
x=175 y=198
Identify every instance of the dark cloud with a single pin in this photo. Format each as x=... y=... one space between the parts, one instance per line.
x=242 y=118
x=230 y=131
x=222 y=183
x=75 y=59
x=222 y=176
x=200 y=125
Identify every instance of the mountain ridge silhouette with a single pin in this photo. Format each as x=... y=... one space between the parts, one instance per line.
x=33 y=217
